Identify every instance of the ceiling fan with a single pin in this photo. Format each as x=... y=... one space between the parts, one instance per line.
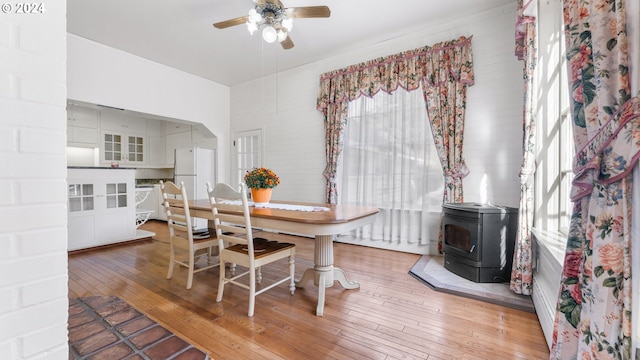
x=275 y=18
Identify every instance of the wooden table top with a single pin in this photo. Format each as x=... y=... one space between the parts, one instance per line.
x=337 y=214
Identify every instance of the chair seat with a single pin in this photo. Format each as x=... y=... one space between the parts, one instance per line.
x=261 y=247
x=198 y=243
x=211 y=235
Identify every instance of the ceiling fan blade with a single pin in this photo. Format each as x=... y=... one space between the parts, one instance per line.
x=308 y=12
x=231 y=22
x=287 y=43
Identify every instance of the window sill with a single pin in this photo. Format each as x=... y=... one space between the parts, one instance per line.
x=553 y=241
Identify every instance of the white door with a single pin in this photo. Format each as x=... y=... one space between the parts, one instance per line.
x=247 y=153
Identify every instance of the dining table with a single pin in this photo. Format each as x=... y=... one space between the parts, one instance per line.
x=321 y=221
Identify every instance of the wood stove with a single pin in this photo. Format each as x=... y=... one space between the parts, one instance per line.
x=478 y=240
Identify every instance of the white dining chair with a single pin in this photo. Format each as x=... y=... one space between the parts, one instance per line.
x=237 y=245
x=181 y=233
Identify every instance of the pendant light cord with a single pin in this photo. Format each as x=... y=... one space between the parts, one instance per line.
x=262 y=72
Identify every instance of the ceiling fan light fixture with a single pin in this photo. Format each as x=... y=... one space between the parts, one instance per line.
x=282 y=35
x=254 y=16
x=269 y=34
x=252 y=27
x=275 y=20
x=287 y=23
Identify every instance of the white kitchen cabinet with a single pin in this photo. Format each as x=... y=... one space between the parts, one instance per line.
x=82 y=117
x=157 y=153
x=128 y=140
x=101 y=206
x=82 y=127
x=180 y=140
x=82 y=136
x=123 y=123
x=174 y=127
x=122 y=139
x=155 y=127
x=122 y=148
x=156 y=149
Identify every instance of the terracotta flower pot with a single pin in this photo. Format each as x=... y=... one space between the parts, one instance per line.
x=261 y=197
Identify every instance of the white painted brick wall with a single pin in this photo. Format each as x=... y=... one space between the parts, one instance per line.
x=33 y=235
x=41 y=341
x=6 y=296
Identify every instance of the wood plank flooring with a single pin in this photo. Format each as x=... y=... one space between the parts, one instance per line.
x=391 y=316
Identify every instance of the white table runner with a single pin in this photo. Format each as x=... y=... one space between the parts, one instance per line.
x=278 y=206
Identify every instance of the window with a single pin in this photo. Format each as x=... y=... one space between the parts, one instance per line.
x=566 y=172
x=390 y=162
x=555 y=146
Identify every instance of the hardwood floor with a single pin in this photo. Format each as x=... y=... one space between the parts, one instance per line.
x=391 y=316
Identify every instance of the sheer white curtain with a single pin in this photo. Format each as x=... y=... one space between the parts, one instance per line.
x=390 y=161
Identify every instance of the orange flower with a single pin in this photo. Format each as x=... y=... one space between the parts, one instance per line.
x=261 y=178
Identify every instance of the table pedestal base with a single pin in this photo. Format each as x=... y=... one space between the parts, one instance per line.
x=324 y=273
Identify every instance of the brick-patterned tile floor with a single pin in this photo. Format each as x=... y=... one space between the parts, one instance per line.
x=105 y=327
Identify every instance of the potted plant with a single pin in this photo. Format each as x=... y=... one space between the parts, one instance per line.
x=261 y=181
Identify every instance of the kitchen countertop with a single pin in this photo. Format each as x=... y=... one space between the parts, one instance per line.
x=150 y=182
x=98 y=167
x=139 y=182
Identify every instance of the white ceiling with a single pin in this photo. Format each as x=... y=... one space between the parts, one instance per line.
x=179 y=33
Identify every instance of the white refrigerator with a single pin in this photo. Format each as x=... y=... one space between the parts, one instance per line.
x=195 y=167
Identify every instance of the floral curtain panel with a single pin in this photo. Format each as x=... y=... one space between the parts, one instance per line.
x=446 y=105
x=335 y=117
x=593 y=318
x=522 y=271
x=433 y=66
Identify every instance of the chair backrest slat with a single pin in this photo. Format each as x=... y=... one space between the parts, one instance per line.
x=234 y=228
x=176 y=206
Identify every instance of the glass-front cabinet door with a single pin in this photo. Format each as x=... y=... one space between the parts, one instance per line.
x=123 y=148
x=81 y=197
x=116 y=195
x=112 y=147
x=136 y=149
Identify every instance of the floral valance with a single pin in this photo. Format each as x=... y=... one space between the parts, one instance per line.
x=433 y=65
